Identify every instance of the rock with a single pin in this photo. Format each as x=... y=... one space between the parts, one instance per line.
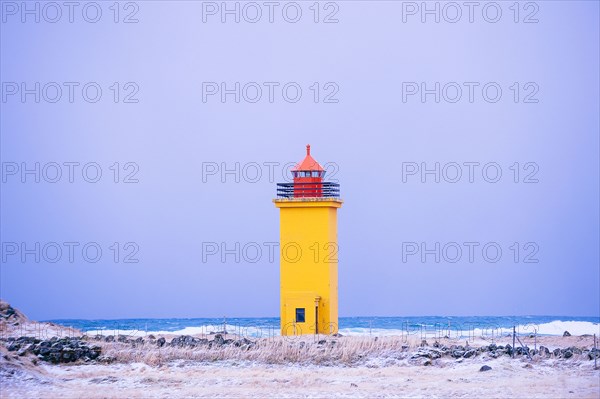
x=544 y=351
x=457 y=353
x=353 y=385
x=566 y=334
x=427 y=363
x=187 y=340
x=424 y=343
x=13 y=346
x=522 y=350
x=429 y=353
x=10 y=314
x=109 y=338
x=161 y=342
x=218 y=340
x=556 y=352
x=567 y=354
x=23 y=351
x=485 y=368
x=151 y=336
x=469 y=354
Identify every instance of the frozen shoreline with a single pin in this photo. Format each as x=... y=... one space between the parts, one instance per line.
x=229 y=365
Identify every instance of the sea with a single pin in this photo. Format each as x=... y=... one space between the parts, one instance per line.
x=421 y=326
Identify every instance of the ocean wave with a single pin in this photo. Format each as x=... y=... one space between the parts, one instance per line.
x=553 y=328
x=208 y=329
x=456 y=330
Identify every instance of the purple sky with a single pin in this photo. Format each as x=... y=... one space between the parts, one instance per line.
x=368 y=108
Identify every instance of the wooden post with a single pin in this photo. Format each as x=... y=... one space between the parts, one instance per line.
x=514 y=335
x=595 y=354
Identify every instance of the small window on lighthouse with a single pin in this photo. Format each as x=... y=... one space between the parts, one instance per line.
x=300 y=316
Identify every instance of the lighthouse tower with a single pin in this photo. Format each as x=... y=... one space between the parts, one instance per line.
x=308 y=250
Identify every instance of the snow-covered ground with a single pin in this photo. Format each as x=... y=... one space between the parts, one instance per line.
x=382 y=378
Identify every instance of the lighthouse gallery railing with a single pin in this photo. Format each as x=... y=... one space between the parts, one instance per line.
x=324 y=189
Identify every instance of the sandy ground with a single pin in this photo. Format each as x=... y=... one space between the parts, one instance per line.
x=509 y=378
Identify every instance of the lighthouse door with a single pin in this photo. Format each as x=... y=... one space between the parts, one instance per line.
x=299 y=313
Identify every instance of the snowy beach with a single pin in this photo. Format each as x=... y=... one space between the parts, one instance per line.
x=73 y=365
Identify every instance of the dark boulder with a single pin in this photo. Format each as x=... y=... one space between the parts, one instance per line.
x=556 y=352
x=161 y=342
x=566 y=334
x=485 y=368
x=218 y=340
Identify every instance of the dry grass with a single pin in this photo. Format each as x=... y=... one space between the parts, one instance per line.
x=280 y=350
x=304 y=350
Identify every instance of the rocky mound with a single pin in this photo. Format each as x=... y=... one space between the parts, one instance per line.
x=11 y=315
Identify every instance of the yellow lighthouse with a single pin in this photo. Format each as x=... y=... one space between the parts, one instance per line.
x=308 y=250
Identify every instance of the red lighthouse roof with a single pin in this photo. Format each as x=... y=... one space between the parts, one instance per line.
x=308 y=164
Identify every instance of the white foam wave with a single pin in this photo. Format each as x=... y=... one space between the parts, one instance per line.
x=251 y=331
x=555 y=328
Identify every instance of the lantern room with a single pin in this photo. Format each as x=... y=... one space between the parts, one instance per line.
x=308 y=181
x=308 y=177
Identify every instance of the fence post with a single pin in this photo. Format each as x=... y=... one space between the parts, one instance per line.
x=595 y=354
x=514 y=335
